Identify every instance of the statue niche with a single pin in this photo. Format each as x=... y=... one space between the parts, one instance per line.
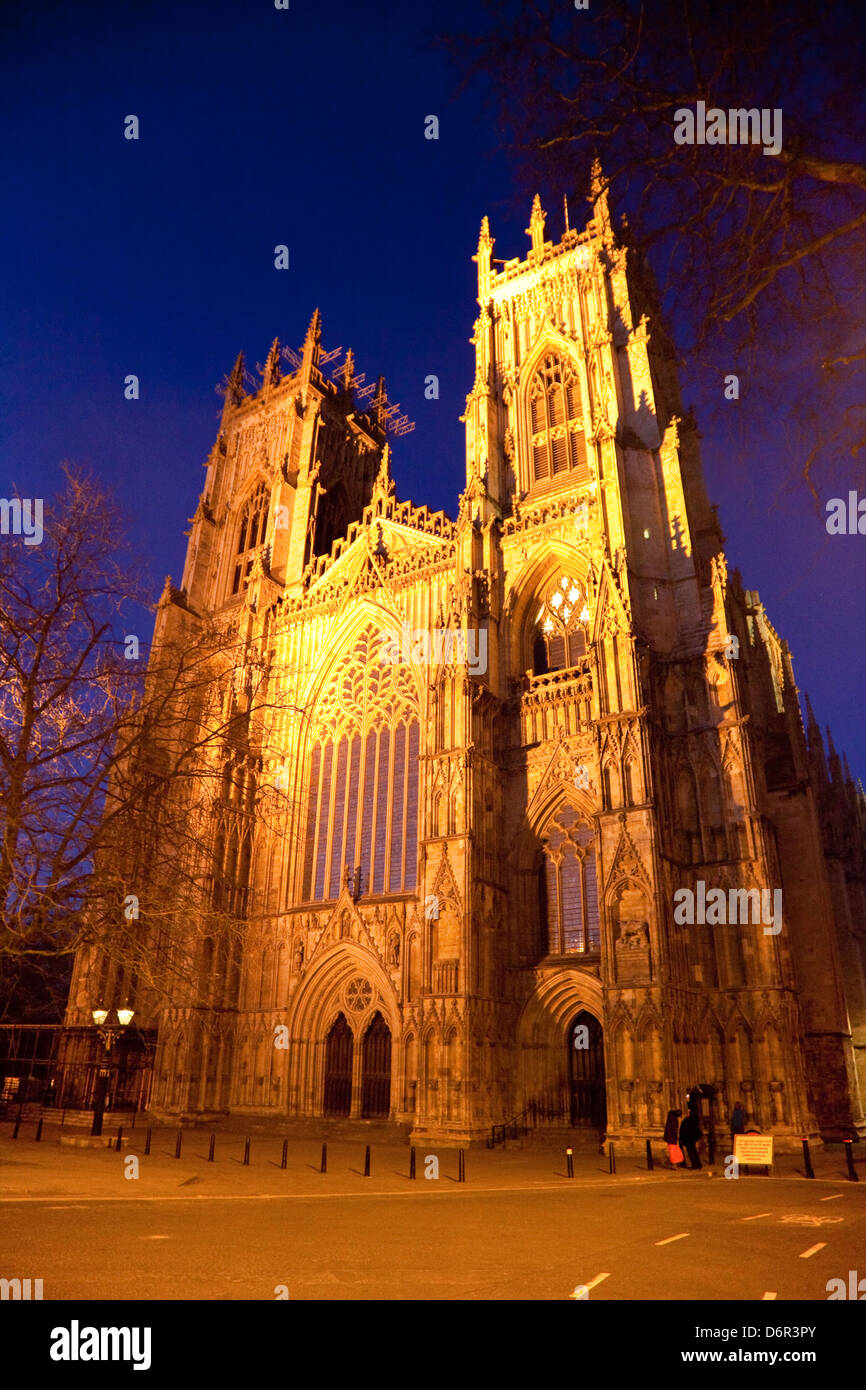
x=631 y=944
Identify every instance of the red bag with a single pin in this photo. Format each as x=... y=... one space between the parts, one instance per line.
x=675 y=1153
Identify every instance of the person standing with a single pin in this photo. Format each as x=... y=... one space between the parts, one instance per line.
x=690 y=1133
x=738 y=1122
x=675 y=1154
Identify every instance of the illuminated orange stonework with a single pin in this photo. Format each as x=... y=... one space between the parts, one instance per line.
x=522 y=828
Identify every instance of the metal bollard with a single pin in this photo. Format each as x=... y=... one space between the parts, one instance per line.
x=119 y=1142
x=367 y=1162
x=569 y=1162
x=612 y=1164
x=147 y=1142
x=649 y=1156
x=211 y=1147
x=324 y=1167
x=285 y=1158
x=17 y=1123
x=178 y=1143
x=38 y=1135
x=853 y=1175
x=247 y=1153
x=412 y=1164
x=63 y=1118
x=807 y=1160
x=461 y=1166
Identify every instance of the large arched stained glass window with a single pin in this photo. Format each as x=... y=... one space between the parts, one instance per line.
x=362 y=807
x=375 y=833
x=254 y=524
x=571 y=887
x=557 y=436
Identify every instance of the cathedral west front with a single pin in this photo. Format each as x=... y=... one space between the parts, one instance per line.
x=507 y=743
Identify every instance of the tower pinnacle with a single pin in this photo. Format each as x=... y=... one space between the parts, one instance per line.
x=313 y=341
x=535 y=230
x=482 y=258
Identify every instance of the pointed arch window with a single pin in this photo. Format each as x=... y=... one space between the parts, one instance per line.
x=557 y=436
x=253 y=526
x=571 y=886
x=361 y=811
x=560 y=627
x=374 y=833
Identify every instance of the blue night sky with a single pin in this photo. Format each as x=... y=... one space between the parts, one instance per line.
x=305 y=127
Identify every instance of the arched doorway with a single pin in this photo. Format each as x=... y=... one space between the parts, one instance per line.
x=376 y=1089
x=586 y=1072
x=339 y=1053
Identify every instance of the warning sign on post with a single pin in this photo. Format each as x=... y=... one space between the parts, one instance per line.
x=756 y=1149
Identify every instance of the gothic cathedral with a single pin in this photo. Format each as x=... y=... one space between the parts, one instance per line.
x=508 y=742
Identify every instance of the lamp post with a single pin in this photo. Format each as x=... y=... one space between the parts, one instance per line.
x=108 y=1034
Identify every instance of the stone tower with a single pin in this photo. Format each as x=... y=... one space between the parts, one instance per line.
x=540 y=763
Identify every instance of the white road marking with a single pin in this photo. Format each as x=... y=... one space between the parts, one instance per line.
x=768 y=1296
x=682 y=1235
x=757 y=1217
x=813 y=1250
x=811 y=1220
x=834 y=1198
x=581 y=1292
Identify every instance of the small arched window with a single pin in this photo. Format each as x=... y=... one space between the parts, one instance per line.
x=254 y=524
x=557 y=437
x=560 y=627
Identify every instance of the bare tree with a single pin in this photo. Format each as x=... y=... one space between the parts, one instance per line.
x=130 y=790
x=759 y=252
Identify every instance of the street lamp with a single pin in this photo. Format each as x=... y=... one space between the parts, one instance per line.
x=108 y=1035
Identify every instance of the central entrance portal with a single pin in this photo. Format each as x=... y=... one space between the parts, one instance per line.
x=339 y=1053
x=586 y=1073
x=376 y=1089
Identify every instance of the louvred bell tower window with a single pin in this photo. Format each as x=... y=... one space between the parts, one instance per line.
x=254 y=524
x=558 y=439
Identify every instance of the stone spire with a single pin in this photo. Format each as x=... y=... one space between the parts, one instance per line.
x=313 y=342
x=598 y=186
x=271 y=373
x=535 y=230
x=235 y=391
x=347 y=372
x=383 y=487
x=815 y=742
x=835 y=762
x=483 y=259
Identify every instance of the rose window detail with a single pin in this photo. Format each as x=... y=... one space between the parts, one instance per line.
x=359 y=994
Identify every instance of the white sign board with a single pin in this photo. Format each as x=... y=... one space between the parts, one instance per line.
x=754 y=1149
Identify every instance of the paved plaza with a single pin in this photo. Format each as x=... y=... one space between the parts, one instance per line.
x=518 y=1228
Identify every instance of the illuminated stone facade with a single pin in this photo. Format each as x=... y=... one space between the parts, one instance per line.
x=471 y=912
